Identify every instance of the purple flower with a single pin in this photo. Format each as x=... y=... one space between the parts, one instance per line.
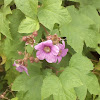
x=62 y=52
x=20 y=68
x=46 y=50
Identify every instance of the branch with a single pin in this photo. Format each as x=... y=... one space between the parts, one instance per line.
x=47 y=33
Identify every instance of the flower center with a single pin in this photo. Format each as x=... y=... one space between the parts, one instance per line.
x=47 y=49
x=60 y=52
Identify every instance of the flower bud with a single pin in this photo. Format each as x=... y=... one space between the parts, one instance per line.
x=31 y=58
x=35 y=33
x=20 y=61
x=36 y=60
x=19 y=52
x=49 y=37
x=24 y=38
x=39 y=6
x=55 y=39
x=2 y=96
x=25 y=59
x=31 y=61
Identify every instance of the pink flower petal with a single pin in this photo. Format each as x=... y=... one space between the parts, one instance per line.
x=40 y=55
x=47 y=43
x=63 y=42
x=55 y=50
x=14 y=63
x=64 y=52
x=39 y=46
x=50 y=58
x=55 y=59
x=59 y=59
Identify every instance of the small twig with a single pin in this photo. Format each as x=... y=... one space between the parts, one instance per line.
x=56 y=70
x=94 y=60
x=47 y=33
x=59 y=71
x=53 y=68
x=11 y=90
x=96 y=73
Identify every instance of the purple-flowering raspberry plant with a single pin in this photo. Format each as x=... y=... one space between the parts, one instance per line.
x=51 y=69
x=50 y=50
x=47 y=51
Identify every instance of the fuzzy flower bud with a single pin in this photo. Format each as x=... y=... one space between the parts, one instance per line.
x=35 y=33
x=31 y=59
x=36 y=60
x=24 y=38
x=19 y=52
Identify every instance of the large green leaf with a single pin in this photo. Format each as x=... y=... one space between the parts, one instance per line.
x=92 y=13
x=52 y=85
x=90 y=83
x=31 y=85
x=71 y=80
x=7 y=2
x=11 y=74
x=28 y=25
x=78 y=75
x=81 y=92
x=28 y=7
x=4 y=22
x=81 y=63
x=80 y=31
x=84 y=3
x=15 y=44
x=52 y=12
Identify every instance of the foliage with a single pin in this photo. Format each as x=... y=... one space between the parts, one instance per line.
x=77 y=76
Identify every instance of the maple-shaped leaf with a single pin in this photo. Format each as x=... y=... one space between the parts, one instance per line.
x=53 y=85
x=52 y=12
x=28 y=7
x=80 y=30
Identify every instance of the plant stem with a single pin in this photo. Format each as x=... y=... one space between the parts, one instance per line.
x=47 y=33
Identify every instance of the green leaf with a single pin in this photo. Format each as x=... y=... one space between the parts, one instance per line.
x=77 y=76
x=28 y=7
x=81 y=63
x=11 y=74
x=98 y=98
x=49 y=98
x=92 y=13
x=72 y=79
x=28 y=25
x=4 y=22
x=81 y=92
x=31 y=85
x=29 y=49
x=0 y=36
x=16 y=44
x=79 y=31
x=94 y=3
x=1 y=2
x=92 y=84
x=52 y=85
x=52 y=12
x=7 y=2
x=14 y=98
